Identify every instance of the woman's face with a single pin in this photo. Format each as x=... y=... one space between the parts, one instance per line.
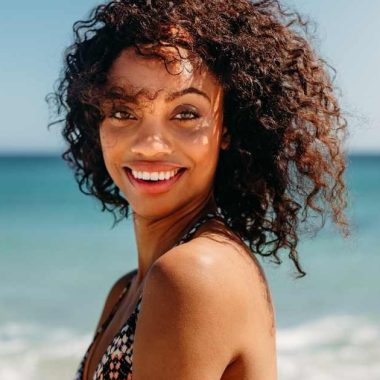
x=163 y=125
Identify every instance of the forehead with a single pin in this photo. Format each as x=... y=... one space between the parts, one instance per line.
x=137 y=74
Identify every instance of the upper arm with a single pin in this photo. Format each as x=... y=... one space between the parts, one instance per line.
x=113 y=296
x=187 y=323
x=183 y=327
x=194 y=321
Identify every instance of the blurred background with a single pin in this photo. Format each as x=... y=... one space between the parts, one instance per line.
x=59 y=255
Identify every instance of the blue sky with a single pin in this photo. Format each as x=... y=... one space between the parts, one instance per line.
x=33 y=35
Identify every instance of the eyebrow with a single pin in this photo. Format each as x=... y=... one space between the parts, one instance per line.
x=190 y=90
x=174 y=95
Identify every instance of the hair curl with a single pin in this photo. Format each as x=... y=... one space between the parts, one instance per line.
x=286 y=128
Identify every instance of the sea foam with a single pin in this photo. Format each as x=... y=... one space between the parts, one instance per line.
x=331 y=348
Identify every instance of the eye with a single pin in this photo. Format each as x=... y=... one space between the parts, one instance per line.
x=121 y=115
x=186 y=115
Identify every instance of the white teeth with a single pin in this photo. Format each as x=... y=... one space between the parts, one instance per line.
x=154 y=176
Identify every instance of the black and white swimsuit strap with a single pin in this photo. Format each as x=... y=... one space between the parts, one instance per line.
x=189 y=234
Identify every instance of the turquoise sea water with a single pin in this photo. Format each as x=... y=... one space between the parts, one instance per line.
x=59 y=257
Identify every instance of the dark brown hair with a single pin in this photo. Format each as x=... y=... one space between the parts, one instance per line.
x=285 y=159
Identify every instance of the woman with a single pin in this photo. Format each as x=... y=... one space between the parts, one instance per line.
x=216 y=127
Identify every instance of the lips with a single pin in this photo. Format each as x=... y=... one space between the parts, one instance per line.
x=153 y=187
x=146 y=166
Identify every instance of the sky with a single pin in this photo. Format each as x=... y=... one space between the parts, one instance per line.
x=34 y=34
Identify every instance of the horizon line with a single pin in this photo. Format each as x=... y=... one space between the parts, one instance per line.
x=55 y=154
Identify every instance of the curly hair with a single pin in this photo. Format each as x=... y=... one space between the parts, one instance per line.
x=285 y=159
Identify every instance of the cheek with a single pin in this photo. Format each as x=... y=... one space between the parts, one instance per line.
x=206 y=135
x=110 y=148
x=108 y=139
x=203 y=148
x=203 y=141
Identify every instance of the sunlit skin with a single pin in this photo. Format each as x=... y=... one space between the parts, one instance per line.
x=164 y=121
x=160 y=129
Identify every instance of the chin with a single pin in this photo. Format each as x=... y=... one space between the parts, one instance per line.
x=153 y=209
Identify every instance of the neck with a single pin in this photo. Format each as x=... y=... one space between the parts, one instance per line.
x=155 y=236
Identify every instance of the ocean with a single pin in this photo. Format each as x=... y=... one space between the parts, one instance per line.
x=59 y=256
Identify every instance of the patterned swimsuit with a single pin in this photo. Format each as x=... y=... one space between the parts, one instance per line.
x=116 y=363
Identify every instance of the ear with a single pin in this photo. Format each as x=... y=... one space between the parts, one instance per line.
x=226 y=139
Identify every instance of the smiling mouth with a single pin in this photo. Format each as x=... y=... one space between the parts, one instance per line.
x=129 y=170
x=154 y=182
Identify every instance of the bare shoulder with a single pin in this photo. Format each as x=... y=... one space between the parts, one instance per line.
x=197 y=307
x=121 y=282
x=224 y=265
x=113 y=295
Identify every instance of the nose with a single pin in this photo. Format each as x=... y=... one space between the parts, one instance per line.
x=150 y=141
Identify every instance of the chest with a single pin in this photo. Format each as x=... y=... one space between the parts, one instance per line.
x=112 y=348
